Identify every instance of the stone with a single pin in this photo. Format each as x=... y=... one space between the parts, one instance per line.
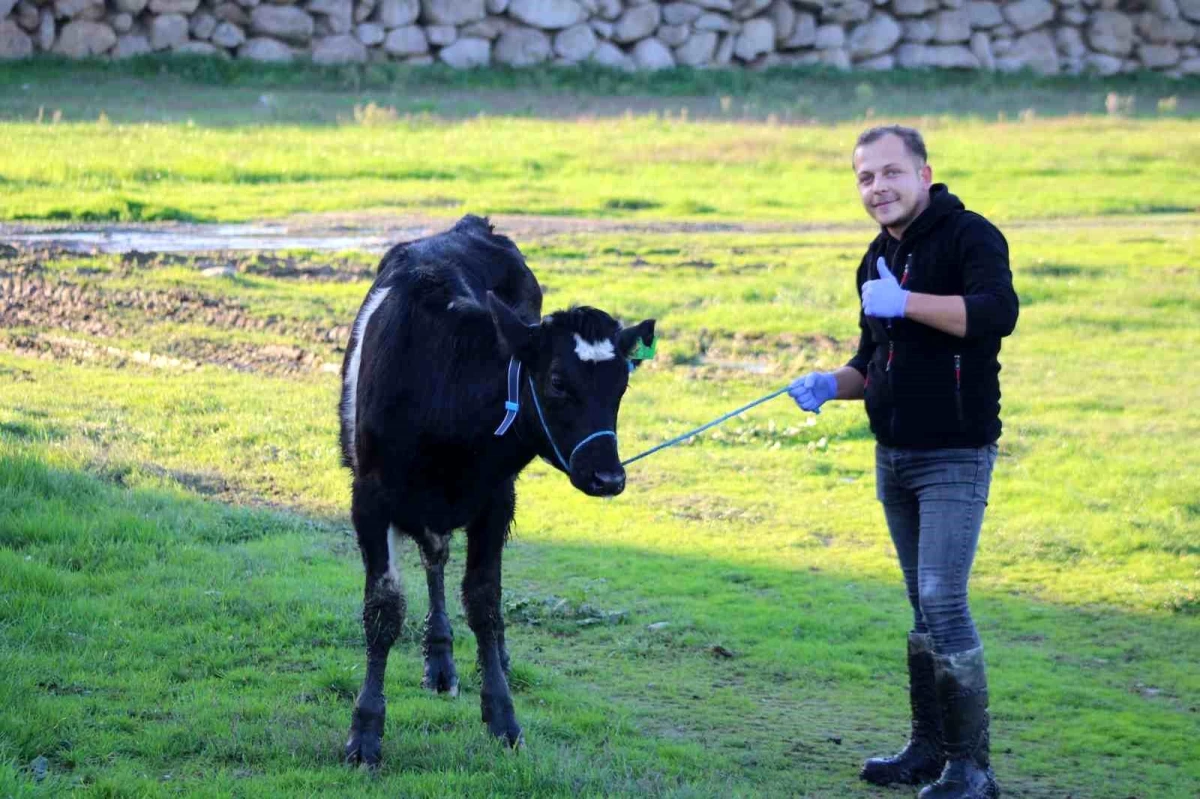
x=637 y=23
x=1070 y=43
x=488 y=29
x=698 y=50
x=724 y=55
x=952 y=27
x=783 y=16
x=131 y=45
x=397 y=13
x=14 y=42
x=745 y=9
x=941 y=56
x=197 y=48
x=123 y=23
x=609 y=9
x=981 y=48
x=1037 y=51
x=912 y=8
x=174 y=6
x=47 y=31
x=452 y=12
x=232 y=12
x=168 y=31
x=984 y=14
x=547 y=14
x=468 y=52
x=805 y=34
x=495 y=7
x=757 y=38
x=576 y=43
x=286 y=23
x=1025 y=15
x=407 y=41
x=228 y=35
x=264 y=49
x=681 y=13
x=672 y=35
x=370 y=33
x=919 y=31
x=6 y=7
x=837 y=58
x=201 y=26
x=608 y=54
x=830 y=37
x=364 y=9
x=880 y=63
x=1074 y=16
x=522 y=47
x=1190 y=10
x=1111 y=33
x=1190 y=67
x=84 y=38
x=874 y=37
x=1103 y=64
x=651 y=54
x=339 y=14
x=339 y=49
x=849 y=11
x=1158 y=56
x=26 y=15
x=133 y=7
x=441 y=35
x=711 y=21
x=90 y=10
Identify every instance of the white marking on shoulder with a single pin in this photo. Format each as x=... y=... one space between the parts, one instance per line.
x=374 y=299
x=594 y=351
x=393 y=570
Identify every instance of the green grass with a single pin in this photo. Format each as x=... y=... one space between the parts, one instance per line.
x=179 y=590
x=150 y=630
x=613 y=167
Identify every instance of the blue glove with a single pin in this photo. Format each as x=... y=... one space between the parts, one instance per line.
x=883 y=298
x=813 y=390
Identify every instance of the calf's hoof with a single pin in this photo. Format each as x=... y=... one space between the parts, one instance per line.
x=440 y=675
x=364 y=747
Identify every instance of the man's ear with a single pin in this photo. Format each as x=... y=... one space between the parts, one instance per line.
x=926 y=175
x=518 y=338
x=635 y=342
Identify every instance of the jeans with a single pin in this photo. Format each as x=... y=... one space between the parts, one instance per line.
x=934 y=502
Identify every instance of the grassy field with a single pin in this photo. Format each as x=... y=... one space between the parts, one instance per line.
x=179 y=590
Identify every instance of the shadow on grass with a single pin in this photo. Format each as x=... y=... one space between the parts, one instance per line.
x=148 y=631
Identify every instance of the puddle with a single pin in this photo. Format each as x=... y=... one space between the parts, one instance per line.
x=206 y=238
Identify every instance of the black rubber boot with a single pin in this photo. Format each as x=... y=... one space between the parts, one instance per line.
x=962 y=694
x=921 y=760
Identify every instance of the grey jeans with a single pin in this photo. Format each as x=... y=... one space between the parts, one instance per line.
x=934 y=502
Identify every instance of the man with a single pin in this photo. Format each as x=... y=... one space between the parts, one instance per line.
x=937 y=297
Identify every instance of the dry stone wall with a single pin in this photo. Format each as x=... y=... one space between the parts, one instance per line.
x=1047 y=36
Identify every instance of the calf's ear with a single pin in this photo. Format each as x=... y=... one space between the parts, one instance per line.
x=518 y=338
x=636 y=343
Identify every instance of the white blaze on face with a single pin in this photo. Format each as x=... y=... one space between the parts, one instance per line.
x=360 y=329
x=595 y=350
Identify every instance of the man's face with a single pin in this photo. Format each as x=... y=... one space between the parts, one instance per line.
x=893 y=183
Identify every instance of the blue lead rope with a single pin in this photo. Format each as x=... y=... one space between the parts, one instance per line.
x=681 y=438
x=512 y=405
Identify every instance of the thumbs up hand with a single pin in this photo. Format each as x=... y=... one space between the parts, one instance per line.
x=883 y=297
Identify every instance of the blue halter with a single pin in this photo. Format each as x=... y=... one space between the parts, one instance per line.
x=512 y=406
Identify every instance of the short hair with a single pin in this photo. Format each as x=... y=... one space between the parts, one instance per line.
x=910 y=136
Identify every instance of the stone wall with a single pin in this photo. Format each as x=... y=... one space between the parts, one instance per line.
x=1048 y=36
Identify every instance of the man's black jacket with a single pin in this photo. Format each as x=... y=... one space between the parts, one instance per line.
x=928 y=389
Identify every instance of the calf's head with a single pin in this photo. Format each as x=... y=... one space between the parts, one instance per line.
x=578 y=364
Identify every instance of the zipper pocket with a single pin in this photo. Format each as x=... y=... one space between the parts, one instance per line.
x=958 y=402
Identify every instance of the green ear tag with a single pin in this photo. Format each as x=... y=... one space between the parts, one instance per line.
x=643 y=353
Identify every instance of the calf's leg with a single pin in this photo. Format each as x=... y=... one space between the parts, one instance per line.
x=383 y=616
x=438 y=642
x=481 y=598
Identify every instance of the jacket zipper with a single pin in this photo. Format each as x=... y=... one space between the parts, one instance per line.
x=958 y=402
